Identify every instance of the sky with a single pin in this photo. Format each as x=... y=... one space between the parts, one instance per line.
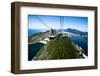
x=74 y=22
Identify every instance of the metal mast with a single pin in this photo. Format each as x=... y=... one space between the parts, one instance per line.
x=61 y=23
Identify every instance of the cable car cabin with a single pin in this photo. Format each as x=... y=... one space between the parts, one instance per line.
x=52 y=37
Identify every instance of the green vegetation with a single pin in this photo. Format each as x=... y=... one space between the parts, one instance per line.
x=59 y=48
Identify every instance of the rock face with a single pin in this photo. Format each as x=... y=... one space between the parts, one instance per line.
x=59 y=48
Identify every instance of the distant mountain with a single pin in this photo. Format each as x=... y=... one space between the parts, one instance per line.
x=81 y=33
x=37 y=36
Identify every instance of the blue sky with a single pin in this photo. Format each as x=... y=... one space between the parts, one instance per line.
x=74 y=22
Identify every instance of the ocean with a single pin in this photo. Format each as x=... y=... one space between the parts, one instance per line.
x=33 y=49
x=32 y=31
x=82 y=42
